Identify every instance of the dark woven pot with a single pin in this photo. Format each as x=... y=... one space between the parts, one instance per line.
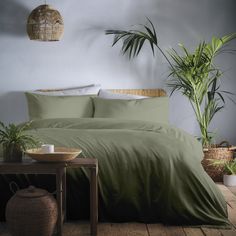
x=31 y=211
x=12 y=153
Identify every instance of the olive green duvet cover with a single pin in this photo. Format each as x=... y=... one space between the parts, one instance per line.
x=148 y=172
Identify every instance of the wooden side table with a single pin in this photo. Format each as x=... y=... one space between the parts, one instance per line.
x=59 y=169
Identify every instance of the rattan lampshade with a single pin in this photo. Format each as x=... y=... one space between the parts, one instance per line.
x=45 y=24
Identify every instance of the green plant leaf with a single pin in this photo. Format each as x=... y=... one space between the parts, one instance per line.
x=133 y=40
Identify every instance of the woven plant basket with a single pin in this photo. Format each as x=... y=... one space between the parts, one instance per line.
x=31 y=212
x=217 y=152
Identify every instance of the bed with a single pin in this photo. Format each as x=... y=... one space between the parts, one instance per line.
x=148 y=171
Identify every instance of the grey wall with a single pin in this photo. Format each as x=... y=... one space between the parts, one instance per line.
x=85 y=56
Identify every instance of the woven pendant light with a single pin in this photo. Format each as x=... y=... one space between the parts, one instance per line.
x=45 y=24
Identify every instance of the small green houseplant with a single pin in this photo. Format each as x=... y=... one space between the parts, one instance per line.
x=229 y=170
x=230 y=167
x=194 y=74
x=15 y=141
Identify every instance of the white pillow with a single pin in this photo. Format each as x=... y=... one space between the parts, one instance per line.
x=109 y=95
x=92 y=89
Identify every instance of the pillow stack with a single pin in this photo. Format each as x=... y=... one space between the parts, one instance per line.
x=84 y=103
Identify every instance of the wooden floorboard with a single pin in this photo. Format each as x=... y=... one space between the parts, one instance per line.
x=211 y=232
x=231 y=202
x=228 y=232
x=156 y=229
x=175 y=231
x=232 y=216
x=76 y=229
x=128 y=229
x=232 y=189
x=137 y=229
x=229 y=196
x=193 y=231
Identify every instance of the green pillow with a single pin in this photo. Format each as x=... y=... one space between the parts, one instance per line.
x=46 y=107
x=148 y=109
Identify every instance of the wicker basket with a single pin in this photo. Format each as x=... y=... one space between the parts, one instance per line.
x=217 y=152
x=31 y=212
x=45 y=24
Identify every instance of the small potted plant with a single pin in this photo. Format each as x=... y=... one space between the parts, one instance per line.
x=229 y=177
x=15 y=141
x=228 y=168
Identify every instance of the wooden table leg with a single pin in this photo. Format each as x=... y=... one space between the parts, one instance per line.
x=93 y=201
x=64 y=195
x=59 y=181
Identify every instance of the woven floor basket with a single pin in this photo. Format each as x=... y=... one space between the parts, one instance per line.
x=31 y=212
x=218 y=152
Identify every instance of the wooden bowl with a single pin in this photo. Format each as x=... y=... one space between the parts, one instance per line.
x=61 y=154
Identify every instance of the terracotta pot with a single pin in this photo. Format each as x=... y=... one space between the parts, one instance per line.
x=229 y=180
x=12 y=153
x=31 y=212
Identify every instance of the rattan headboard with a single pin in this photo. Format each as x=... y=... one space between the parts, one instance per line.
x=142 y=92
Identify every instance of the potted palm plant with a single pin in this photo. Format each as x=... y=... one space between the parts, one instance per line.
x=194 y=74
x=197 y=77
x=15 y=141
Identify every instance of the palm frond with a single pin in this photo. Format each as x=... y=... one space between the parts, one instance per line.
x=133 y=40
